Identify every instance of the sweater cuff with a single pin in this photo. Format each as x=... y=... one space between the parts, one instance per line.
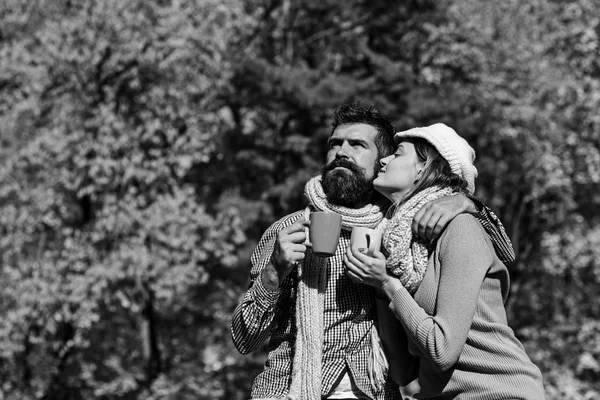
x=400 y=302
x=406 y=309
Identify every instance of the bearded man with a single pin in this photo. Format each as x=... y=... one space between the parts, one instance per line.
x=321 y=324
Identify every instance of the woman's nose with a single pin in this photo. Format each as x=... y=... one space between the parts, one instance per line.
x=384 y=161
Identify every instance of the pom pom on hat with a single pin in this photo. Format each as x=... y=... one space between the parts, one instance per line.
x=451 y=146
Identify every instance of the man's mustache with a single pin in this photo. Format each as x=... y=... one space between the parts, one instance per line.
x=342 y=162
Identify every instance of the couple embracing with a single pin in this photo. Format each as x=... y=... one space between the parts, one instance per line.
x=428 y=306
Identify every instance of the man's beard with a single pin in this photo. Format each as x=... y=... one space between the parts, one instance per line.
x=348 y=188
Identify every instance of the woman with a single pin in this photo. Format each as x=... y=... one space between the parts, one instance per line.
x=448 y=295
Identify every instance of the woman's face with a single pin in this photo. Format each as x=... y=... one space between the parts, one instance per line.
x=398 y=172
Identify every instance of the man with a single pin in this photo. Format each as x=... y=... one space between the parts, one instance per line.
x=320 y=345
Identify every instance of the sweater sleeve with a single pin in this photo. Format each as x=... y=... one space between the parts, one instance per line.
x=464 y=258
x=253 y=319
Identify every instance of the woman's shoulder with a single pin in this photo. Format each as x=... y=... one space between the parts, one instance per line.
x=466 y=233
x=463 y=224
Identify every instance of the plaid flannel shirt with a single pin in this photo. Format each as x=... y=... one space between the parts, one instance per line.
x=349 y=312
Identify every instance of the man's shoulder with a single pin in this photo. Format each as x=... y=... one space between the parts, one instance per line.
x=286 y=221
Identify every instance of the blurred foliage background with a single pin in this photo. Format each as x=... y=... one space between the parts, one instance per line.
x=145 y=146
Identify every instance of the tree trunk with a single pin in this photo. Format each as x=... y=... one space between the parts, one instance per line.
x=148 y=333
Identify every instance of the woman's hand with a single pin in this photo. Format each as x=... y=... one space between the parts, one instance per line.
x=365 y=269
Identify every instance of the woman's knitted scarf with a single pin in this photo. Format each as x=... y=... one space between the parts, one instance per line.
x=406 y=256
x=312 y=282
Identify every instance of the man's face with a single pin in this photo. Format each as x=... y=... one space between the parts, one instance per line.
x=352 y=160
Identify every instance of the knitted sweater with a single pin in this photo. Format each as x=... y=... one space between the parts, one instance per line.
x=457 y=325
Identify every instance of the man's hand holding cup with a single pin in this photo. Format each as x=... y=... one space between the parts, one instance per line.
x=289 y=249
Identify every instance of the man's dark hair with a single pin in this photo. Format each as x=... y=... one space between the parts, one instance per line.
x=354 y=113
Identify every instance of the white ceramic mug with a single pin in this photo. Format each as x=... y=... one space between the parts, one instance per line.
x=366 y=238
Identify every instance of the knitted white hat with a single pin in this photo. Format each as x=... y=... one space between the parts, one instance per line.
x=451 y=146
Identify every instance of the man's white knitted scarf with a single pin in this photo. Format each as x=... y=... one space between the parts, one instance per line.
x=312 y=282
x=407 y=257
x=368 y=216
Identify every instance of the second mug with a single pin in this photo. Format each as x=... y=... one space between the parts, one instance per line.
x=366 y=238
